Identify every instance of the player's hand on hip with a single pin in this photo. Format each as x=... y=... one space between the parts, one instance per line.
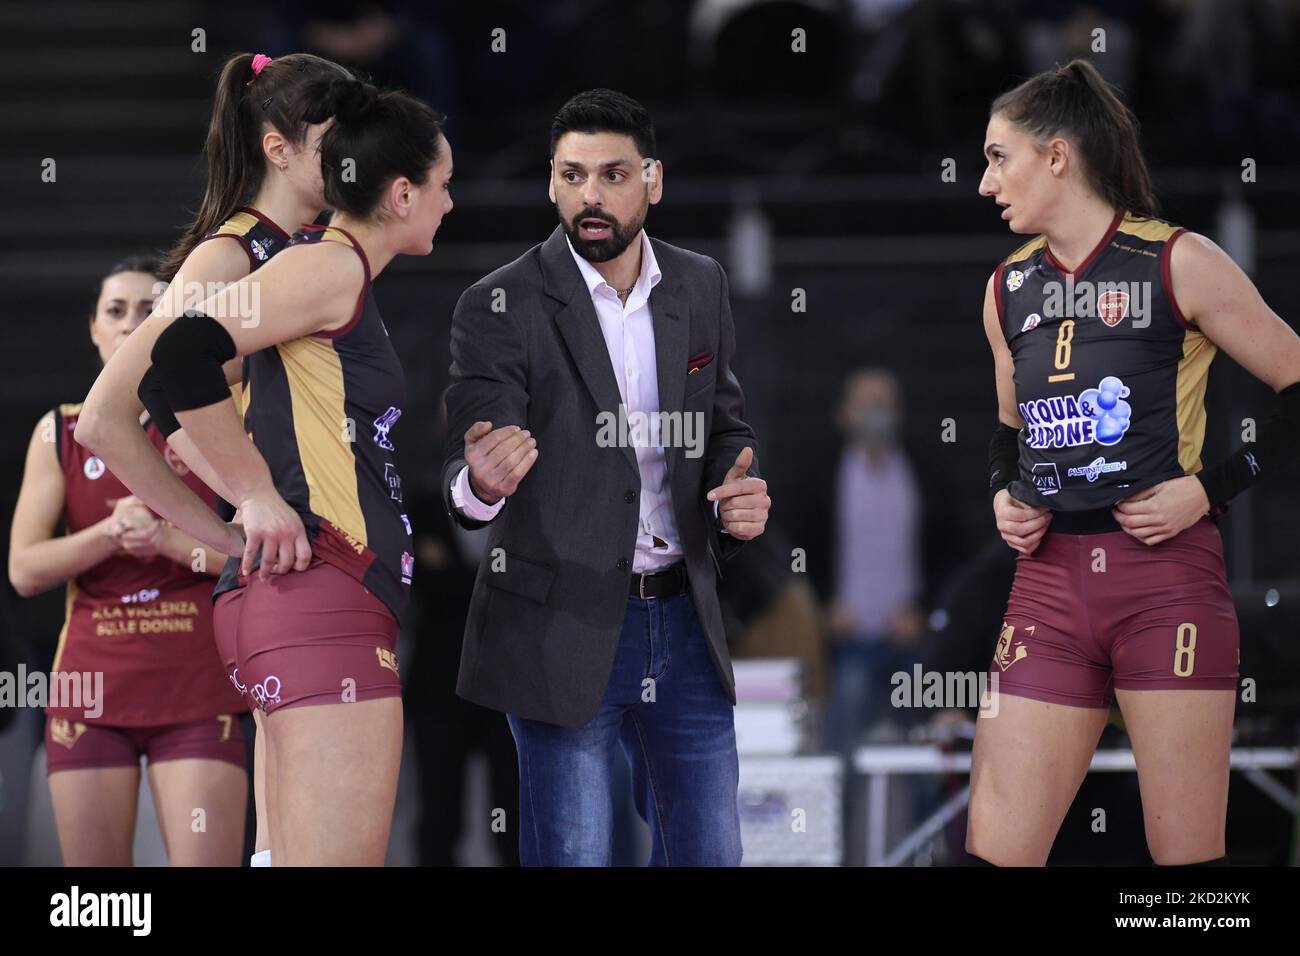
x=1163 y=510
x=743 y=503
x=273 y=527
x=1021 y=525
x=498 y=459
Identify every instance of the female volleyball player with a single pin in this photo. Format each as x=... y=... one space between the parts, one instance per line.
x=263 y=180
x=314 y=648
x=1102 y=329
x=139 y=611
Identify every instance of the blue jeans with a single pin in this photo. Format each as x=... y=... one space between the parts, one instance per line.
x=667 y=708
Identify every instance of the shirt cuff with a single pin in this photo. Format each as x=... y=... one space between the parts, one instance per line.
x=467 y=503
x=722 y=529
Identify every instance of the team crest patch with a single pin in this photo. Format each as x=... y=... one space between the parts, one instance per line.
x=386 y=658
x=65 y=733
x=1015 y=279
x=94 y=468
x=408 y=567
x=1004 y=655
x=1112 y=306
x=1031 y=322
x=259 y=249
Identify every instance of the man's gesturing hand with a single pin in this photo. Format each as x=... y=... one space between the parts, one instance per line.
x=498 y=459
x=743 y=501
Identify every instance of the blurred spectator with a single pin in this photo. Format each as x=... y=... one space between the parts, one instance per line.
x=874 y=616
x=1224 y=63
x=1103 y=31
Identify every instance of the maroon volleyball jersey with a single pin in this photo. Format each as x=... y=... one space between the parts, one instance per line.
x=145 y=624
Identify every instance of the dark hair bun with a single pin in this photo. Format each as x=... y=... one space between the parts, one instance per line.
x=353 y=99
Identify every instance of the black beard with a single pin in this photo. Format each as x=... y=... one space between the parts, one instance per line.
x=601 y=250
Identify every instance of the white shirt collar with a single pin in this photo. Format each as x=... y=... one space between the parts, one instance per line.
x=648 y=278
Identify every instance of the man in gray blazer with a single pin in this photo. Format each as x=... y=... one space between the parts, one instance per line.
x=604 y=443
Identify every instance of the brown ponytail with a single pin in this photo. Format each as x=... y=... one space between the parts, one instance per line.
x=240 y=109
x=1075 y=100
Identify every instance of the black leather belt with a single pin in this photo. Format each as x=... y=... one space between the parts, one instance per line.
x=659 y=584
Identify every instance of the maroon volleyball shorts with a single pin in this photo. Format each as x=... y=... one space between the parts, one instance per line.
x=87 y=745
x=1089 y=613
x=307 y=637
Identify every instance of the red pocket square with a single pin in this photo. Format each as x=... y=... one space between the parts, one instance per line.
x=697 y=362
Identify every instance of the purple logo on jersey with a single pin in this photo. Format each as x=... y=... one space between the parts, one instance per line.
x=383 y=423
x=259 y=249
x=1096 y=415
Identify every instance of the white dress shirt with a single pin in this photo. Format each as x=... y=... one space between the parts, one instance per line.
x=630 y=338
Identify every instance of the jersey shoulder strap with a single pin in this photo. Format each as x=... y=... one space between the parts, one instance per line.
x=1025 y=251
x=999 y=275
x=65 y=419
x=259 y=236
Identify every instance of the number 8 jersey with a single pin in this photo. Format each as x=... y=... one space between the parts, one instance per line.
x=1110 y=376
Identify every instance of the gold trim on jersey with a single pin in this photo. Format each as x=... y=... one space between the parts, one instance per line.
x=1189 y=403
x=68 y=409
x=237 y=392
x=67 y=620
x=240 y=224
x=1025 y=251
x=314 y=374
x=336 y=235
x=1152 y=230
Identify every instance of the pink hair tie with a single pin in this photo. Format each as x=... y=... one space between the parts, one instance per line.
x=259 y=63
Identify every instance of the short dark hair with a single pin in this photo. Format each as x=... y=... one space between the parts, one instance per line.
x=605 y=111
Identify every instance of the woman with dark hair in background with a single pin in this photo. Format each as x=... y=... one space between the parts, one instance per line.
x=1102 y=329
x=263 y=180
x=139 y=611
x=314 y=649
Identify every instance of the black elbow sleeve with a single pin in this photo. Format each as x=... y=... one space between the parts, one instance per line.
x=154 y=399
x=1276 y=448
x=188 y=359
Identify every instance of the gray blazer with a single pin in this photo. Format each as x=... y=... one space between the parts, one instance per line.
x=527 y=350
